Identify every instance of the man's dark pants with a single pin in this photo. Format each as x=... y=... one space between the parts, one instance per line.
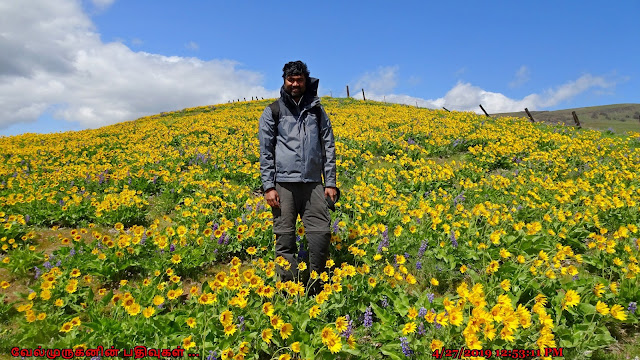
x=308 y=200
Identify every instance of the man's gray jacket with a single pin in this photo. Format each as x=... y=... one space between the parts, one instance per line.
x=293 y=152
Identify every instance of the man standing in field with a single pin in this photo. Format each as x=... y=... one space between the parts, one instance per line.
x=296 y=148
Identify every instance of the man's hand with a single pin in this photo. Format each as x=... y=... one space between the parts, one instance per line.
x=331 y=193
x=272 y=198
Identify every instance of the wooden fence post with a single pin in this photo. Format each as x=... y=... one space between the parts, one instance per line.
x=529 y=114
x=575 y=119
x=485 y=112
x=348 y=91
x=363 y=98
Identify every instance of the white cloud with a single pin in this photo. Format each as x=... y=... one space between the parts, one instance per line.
x=521 y=77
x=102 y=4
x=380 y=81
x=136 y=42
x=192 y=45
x=467 y=97
x=52 y=60
x=414 y=80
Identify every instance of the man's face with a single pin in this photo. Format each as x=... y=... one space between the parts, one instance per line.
x=295 y=85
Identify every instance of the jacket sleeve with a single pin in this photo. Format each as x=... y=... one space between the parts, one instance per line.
x=267 y=138
x=326 y=132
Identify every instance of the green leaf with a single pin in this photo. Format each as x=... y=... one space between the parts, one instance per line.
x=107 y=298
x=351 y=351
x=401 y=304
x=306 y=351
x=385 y=317
x=388 y=350
x=587 y=309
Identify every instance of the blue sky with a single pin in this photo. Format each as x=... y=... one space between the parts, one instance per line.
x=71 y=64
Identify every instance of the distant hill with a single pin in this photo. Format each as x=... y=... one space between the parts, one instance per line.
x=618 y=117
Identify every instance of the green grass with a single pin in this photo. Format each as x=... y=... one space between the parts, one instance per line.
x=621 y=118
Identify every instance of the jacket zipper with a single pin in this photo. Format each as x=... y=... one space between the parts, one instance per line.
x=304 y=136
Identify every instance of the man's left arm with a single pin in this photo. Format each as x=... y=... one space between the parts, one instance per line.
x=326 y=133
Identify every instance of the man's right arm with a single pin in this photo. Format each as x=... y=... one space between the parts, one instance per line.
x=267 y=137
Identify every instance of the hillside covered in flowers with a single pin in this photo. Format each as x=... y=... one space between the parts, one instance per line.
x=453 y=231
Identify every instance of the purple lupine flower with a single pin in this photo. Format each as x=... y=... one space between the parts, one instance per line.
x=575 y=277
x=335 y=226
x=454 y=242
x=421 y=329
x=410 y=141
x=384 y=302
x=172 y=248
x=47 y=265
x=215 y=227
x=221 y=238
x=212 y=355
x=72 y=252
x=431 y=296
x=423 y=248
x=418 y=265
x=61 y=202
x=27 y=218
x=406 y=350
x=37 y=272
x=241 y=323
x=633 y=306
x=349 y=331
x=458 y=199
x=385 y=239
x=406 y=255
x=368 y=318
x=58 y=263
x=422 y=312
x=143 y=239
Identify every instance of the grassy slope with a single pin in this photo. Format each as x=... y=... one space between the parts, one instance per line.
x=619 y=117
x=629 y=348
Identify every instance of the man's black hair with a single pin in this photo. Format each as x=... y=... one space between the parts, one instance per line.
x=294 y=68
